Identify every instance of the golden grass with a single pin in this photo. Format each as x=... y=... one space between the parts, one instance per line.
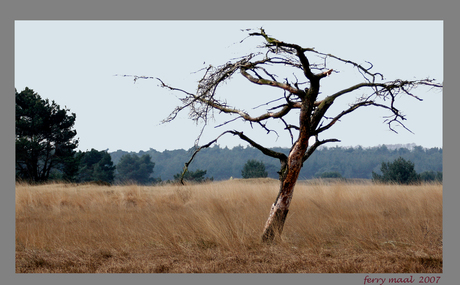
x=216 y=227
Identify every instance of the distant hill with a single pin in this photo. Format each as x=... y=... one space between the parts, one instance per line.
x=350 y=162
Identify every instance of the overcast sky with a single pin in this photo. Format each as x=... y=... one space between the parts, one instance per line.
x=74 y=63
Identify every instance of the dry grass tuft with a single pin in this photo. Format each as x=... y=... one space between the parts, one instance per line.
x=216 y=227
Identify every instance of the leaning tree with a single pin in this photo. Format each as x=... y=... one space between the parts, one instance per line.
x=300 y=97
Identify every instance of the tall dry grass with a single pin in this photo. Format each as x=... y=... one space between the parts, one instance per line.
x=216 y=227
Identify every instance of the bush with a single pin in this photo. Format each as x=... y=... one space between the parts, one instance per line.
x=195 y=176
x=431 y=176
x=254 y=169
x=400 y=171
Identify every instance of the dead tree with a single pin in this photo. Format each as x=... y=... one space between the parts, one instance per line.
x=306 y=102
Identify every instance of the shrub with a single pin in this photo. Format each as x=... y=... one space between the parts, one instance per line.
x=400 y=171
x=254 y=169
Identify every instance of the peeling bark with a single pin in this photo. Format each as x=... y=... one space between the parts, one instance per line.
x=278 y=212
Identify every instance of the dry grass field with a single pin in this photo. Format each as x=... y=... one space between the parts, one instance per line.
x=216 y=227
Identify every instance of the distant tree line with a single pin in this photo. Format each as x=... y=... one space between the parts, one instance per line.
x=46 y=150
x=333 y=162
x=402 y=171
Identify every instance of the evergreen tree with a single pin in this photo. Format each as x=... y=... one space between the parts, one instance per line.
x=400 y=171
x=431 y=176
x=195 y=176
x=96 y=166
x=132 y=168
x=45 y=138
x=254 y=169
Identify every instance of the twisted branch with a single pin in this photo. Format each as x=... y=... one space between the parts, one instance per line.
x=281 y=156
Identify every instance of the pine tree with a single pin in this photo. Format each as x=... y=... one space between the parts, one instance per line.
x=400 y=171
x=45 y=138
x=254 y=169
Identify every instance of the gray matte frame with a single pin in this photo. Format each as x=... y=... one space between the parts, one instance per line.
x=209 y=10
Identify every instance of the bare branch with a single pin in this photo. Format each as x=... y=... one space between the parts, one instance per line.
x=269 y=102
x=361 y=69
x=262 y=81
x=349 y=110
x=382 y=91
x=229 y=121
x=289 y=127
x=317 y=143
x=195 y=153
x=281 y=156
x=300 y=52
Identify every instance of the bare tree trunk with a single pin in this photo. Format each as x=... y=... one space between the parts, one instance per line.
x=290 y=173
x=279 y=210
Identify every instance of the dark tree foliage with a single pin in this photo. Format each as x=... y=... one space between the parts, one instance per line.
x=45 y=138
x=350 y=162
x=331 y=174
x=399 y=171
x=135 y=169
x=431 y=176
x=193 y=176
x=95 y=166
x=254 y=169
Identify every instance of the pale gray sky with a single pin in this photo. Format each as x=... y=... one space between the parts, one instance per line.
x=74 y=63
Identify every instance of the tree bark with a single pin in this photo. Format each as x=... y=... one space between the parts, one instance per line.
x=288 y=176
x=279 y=210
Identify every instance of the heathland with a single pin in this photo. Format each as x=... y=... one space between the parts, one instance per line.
x=216 y=227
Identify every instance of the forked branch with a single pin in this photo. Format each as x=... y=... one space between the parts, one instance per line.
x=381 y=91
x=281 y=156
